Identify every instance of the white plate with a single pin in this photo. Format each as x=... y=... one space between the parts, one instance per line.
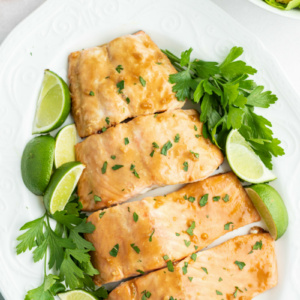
x=293 y=13
x=59 y=27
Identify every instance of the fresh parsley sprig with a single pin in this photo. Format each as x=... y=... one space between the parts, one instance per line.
x=227 y=98
x=64 y=250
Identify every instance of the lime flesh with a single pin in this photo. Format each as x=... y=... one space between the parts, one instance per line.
x=65 y=145
x=61 y=186
x=53 y=104
x=76 y=295
x=271 y=208
x=244 y=162
x=37 y=163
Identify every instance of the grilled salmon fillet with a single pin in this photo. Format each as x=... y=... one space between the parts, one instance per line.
x=148 y=151
x=232 y=270
x=125 y=78
x=176 y=225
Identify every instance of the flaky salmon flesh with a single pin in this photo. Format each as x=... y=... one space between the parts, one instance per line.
x=125 y=78
x=175 y=225
x=148 y=151
x=238 y=269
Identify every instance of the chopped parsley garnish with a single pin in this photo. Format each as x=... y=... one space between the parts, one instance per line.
x=197 y=136
x=203 y=200
x=165 y=257
x=119 y=68
x=240 y=264
x=127 y=100
x=101 y=214
x=204 y=269
x=114 y=251
x=185 y=197
x=92 y=93
x=190 y=279
x=195 y=154
x=107 y=120
x=155 y=145
x=185 y=166
x=177 y=234
x=190 y=230
x=152 y=153
x=135 y=248
x=196 y=247
x=236 y=290
x=227 y=226
x=142 y=81
x=134 y=172
x=135 y=217
x=191 y=199
x=184 y=268
x=158 y=63
x=257 y=246
x=216 y=198
x=126 y=141
x=195 y=128
x=97 y=198
x=104 y=129
x=113 y=157
x=120 y=86
x=177 y=138
x=220 y=279
x=219 y=293
x=140 y=271
x=170 y=266
x=103 y=169
x=226 y=198
x=167 y=146
x=227 y=98
x=117 y=167
x=151 y=235
x=194 y=256
x=91 y=192
x=187 y=243
x=146 y=295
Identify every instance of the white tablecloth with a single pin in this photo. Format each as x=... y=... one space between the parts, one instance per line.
x=280 y=35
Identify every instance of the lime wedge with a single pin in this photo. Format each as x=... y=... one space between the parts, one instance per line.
x=65 y=145
x=76 y=295
x=53 y=105
x=244 y=162
x=37 y=163
x=270 y=207
x=61 y=186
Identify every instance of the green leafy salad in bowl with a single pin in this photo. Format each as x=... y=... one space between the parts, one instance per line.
x=284 y=4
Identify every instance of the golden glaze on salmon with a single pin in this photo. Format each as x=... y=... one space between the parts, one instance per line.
x=164 y=226
x=132 y=157
x=95 y=74
x=213 y=275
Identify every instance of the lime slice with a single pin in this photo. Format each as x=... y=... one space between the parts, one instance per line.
x=37 y=163
x=244 y=162
x=53 y=104
x=64 y=147
x=270 y=207
x=61 y=186
x=76 y=295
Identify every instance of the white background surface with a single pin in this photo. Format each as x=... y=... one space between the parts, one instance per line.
x=280 y=35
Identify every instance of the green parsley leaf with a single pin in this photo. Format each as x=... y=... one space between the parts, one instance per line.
x=167 y=146
x=126 y=141
x=218 y=292
x=204 y=269
x=177 y=138
x=104 y=129
x=220 y=279
x=196 y=247
x=177 y=234
x=120 y=86
x=170 y=266
x=155 y=145
x=107 y=120
x=190 y=230
x=240 y=264
x=151 y=235
x=135 y=217
x=114 y=251
x=142 y=81
x=187 y=243
x=103 y=169
x=135 y=248
x=101 y=214
x=152 y=153
x=185 y=166
x=185 y=268
x=127 y=100
x=216 y=198
x=190 y=279
x=119 y=68
x=165 y=257
x=140 y=271
x=236 y=290
x=226 y=198
x=257 y=246
x=113 y=157
x=194 y=256
x=227 y=226
x=92 y=93
x=195 y=154
x=203 y=200
x=97 y=198
x=146 y=295
x=117 y=167
x=191 y=199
